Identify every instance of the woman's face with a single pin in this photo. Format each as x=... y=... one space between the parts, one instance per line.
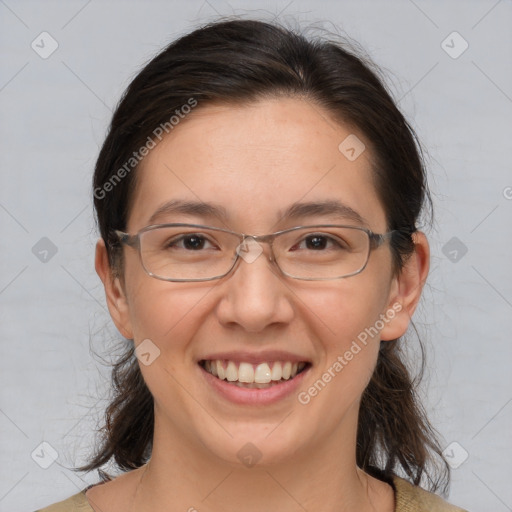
x=255 y=162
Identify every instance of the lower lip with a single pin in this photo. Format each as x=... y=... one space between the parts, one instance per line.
x=254 y=396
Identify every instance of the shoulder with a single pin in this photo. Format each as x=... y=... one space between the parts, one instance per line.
x=410 y=498
x=76 y=503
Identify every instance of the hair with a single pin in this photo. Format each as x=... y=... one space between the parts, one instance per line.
x=238 y=62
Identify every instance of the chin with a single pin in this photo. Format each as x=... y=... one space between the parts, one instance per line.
x=256 y=446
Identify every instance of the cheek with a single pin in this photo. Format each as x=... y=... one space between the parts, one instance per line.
x=163 y=311
x=348 y=341
x=170 y=316
x=344 y=310
x=347 y=323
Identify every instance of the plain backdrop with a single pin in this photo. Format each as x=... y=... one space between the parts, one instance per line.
x=448 y=65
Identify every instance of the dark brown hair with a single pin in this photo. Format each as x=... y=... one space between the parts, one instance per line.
x=241 y=61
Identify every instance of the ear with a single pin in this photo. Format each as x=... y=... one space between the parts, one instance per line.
x=114 y=291
x=406 y=288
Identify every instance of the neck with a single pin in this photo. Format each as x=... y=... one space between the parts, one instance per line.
x=183 y=475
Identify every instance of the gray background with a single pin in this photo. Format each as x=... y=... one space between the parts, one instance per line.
x=54 y=115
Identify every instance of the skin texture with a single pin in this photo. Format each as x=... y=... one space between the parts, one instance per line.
x=256 y=160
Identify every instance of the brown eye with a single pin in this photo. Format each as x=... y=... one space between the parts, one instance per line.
x=319 y=242
x=191 y=242
x=316 y=242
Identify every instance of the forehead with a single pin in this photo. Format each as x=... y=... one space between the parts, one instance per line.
x=256 y=161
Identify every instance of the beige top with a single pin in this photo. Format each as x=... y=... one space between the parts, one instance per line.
x=408 y=499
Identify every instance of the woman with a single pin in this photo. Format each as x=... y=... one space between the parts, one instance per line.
x=258 y=196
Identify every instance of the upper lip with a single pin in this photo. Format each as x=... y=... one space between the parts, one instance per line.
x=255 y=357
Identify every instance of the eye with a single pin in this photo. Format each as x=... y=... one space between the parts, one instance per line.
x=190 y=241
x=316 y=242
x=319 y=242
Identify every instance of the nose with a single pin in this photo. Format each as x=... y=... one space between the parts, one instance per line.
x=255 y=295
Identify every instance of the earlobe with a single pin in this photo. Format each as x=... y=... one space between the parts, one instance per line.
x=406 y=289
x=114 y=291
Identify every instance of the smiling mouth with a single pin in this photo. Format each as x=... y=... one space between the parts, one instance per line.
x=247 y=375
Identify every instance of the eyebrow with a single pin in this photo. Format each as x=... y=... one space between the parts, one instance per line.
x=197 y=208
x=329 y=207
x=295 y=211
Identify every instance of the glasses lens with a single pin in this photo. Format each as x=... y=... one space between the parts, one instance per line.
x=322 y=252
x=190 y=253
x=187 y=252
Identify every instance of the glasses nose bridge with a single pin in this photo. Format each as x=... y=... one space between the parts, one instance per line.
x=265 y=239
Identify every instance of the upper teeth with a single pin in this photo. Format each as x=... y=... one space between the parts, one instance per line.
x=246 y=372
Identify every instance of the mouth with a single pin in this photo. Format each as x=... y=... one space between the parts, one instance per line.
x=263 y=375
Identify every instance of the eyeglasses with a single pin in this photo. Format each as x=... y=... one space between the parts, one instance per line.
x=192 y=252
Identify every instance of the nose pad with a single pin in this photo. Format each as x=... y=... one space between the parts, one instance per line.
x=249 y=250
